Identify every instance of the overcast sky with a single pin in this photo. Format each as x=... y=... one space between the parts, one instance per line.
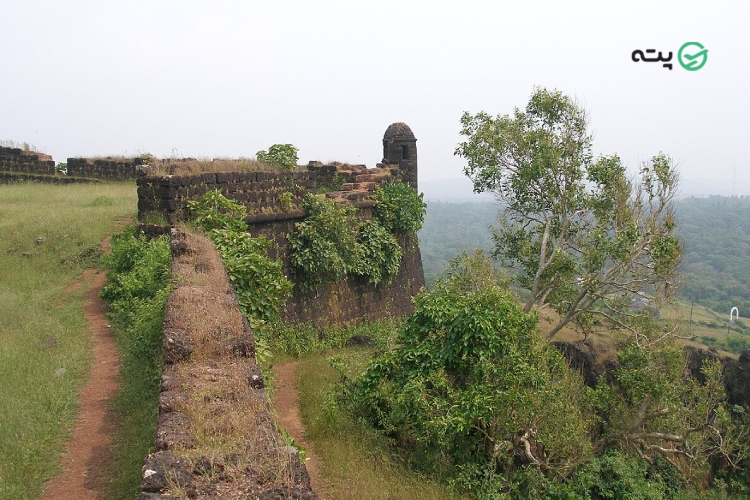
x=228 y=78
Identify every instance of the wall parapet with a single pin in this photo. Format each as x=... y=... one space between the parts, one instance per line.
x=15 y=161
x=212 y=384
x=109 y=168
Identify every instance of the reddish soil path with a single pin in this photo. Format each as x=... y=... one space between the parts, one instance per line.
x=286 y=404
x=87 y=455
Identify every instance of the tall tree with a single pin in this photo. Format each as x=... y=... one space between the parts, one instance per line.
x=583 y=237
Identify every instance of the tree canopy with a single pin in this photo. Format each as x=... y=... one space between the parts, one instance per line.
x=581 y=236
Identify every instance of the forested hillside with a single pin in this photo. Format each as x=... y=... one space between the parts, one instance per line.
x=715 y=232
x=449 y=229
x=716 y=258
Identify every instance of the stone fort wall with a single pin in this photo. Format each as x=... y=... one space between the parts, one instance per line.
x=273 y=201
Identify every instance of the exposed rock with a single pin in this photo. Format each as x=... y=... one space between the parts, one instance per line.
x=203 y=267
x=695 y=358
x=172 y=401
x=210 y=465
x=163 y=469
x=592 y=363
x=179 y=247
x=177 y=345
x=255 y=377
x=170 y=381
x=174 y=431
x=737 y=380
x=242 y=346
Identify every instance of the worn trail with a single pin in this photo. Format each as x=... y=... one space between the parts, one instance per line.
x=286 y=404
x=87 y=457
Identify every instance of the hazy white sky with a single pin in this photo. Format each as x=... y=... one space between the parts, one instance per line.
x=227 y=78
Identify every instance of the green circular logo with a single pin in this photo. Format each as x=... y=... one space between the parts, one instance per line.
x=694 y=58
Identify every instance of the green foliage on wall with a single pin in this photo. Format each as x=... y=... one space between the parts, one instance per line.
x=214 y=211
x=332 y=243
x=324 y=246
x=380 y=253
x=258 y=281
x=282 y=156
x=399 y=208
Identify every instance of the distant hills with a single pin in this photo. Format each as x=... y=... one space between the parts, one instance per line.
x=459 y=189
x=715 y=231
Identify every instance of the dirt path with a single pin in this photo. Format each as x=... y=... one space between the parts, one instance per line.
x=87 y=455
x=286 y=404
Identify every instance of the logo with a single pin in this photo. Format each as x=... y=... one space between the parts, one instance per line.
x=694 y=58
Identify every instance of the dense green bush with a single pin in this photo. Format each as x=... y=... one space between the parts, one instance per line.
x=472 y=385
x=258 y=281
x=332 y=243
x=214 y=211
x=324 y=246
x=138 y=273
x=399 y=208
x=381 y=253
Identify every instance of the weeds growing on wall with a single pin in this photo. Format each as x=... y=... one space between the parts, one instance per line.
x=258 y=281
x=137 y=292
x=332 y=243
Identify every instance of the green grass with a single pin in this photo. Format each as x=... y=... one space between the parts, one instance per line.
x=709 y=328
x=45 y=350
x=138 y=286
x=356 y=462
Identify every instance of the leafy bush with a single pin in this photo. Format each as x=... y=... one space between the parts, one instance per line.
x=472 y=386
x=214 y=211
x=381 y=253
x=138 y=274
x=258 y=281
x=282 y=156
x=324 y=246
x=332 y=242
x=399 y=208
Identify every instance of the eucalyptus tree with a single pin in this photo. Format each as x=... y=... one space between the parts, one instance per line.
x=582 y=237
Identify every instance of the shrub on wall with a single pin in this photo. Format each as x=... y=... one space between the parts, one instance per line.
x=399 y=208
x=381 y=253
x=281 y=156
x=324 y=246
x=332 y=242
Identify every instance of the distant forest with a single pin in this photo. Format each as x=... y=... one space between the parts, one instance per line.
x=715 y=232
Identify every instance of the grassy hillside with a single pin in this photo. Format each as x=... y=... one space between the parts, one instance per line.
x=50 y=235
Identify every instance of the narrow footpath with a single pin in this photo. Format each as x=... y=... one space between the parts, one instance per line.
x=87 y=456
x=286 y=404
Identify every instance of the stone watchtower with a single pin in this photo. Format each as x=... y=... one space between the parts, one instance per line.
x=400 y=148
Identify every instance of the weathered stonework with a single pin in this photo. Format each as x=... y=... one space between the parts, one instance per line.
x=212 y=387
x=273 y=202
x=19 y=165
x=109 y=169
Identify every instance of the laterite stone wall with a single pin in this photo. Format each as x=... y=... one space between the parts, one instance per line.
x=18 y=161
